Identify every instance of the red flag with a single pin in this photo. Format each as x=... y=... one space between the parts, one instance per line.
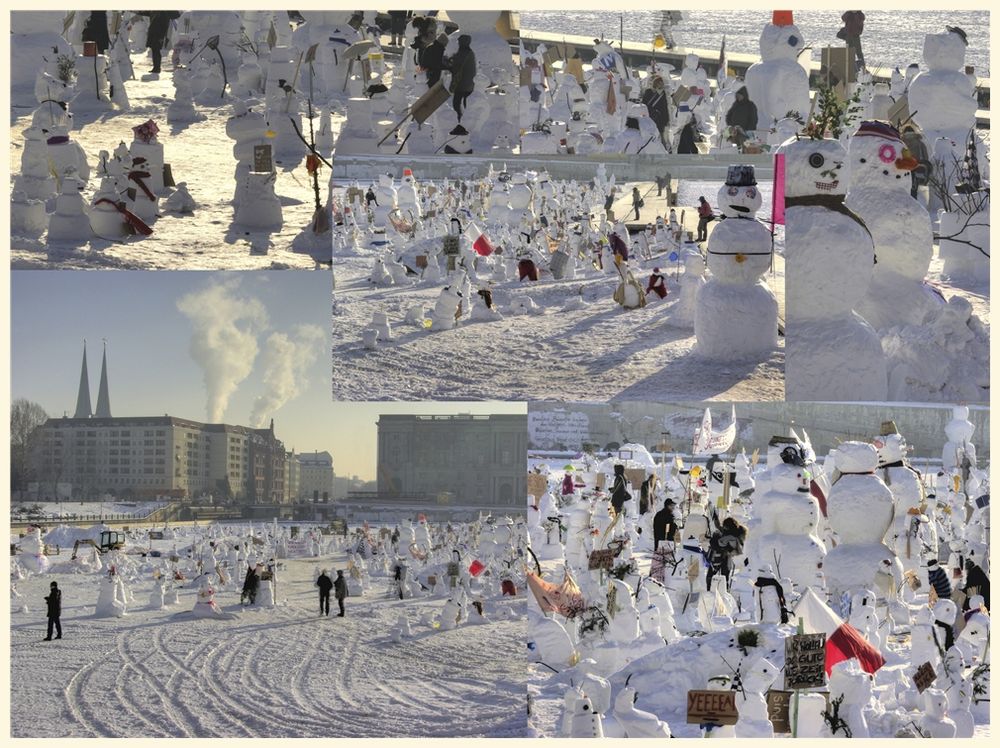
x=476 y=568
x=480 y=243
x=843 y=641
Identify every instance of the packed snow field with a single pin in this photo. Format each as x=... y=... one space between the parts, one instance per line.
x=50 y=510
x=615 y=652
x=555 y=339
x=891 y=39
x=143 y=665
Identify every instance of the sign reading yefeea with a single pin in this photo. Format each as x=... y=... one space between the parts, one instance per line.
x=712 y=708
x=550 y=428
x=805 y=661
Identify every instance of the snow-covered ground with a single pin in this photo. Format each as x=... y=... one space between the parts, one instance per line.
x=71 y=509
x=580 y=345
x=281 y=672
x=200 y=154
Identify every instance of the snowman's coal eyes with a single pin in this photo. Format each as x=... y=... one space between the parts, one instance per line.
x=751 y=193
x=733 y=191
x=862 y=161
x=793 y=41
x=816 y=160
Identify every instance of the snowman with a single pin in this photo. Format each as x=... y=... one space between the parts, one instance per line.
x=935 y=722
x=907 y=493
x=446 y=308
x=853 y=687
x=691 y=283
x=879 y=169
x=831 y=352
x=70 y=223
x=753 y=721
x=385 y=201
x=778 y=84
x=860 y=511
x=736 y=314
x=959 y=447
x=788 y=526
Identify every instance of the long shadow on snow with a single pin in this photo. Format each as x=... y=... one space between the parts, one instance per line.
x=690 y=369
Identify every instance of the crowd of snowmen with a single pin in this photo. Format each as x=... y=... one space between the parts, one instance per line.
x=897 y=554
x=467 y=566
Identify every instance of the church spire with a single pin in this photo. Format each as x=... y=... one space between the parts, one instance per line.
x=103 y=398
x=83 y=396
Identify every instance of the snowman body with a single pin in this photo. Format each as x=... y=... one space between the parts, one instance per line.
x=778 y=84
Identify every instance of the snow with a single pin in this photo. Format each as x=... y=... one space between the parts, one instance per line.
x=578 y=345
x=49 y=510
x=279 y=672
x=201 y=155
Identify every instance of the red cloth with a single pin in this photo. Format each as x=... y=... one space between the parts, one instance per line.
x=140 y=226
x=843 y=641
x=508 y=588
x=704 y=209
x=527 y=269
x=657 y=285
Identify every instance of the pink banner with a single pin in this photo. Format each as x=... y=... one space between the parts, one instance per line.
x=778 y=193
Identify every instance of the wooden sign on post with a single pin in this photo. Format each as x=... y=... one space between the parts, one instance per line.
x=805 y=661
x=712 y=708
x=924 y=676
x=635 y=476
x=778 y=703
x=602 y=559
x=900 y=111
x=262 y=160
x=156 y=535
x=537 y=484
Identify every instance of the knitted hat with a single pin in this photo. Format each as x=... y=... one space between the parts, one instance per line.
x=878 y=129
x=740 y=175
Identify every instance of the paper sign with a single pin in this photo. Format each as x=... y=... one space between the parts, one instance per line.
x=635 y=476
x=805 y=661
x=262 y=161
x=156 y=535
x=602 y=559
x=712 y=708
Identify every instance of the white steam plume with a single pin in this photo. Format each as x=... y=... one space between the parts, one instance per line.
x=224 y=339
x=286 y=359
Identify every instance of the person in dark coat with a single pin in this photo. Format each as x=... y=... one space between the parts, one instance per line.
x=644 y=495
x=664 y=524
x=340 y=591
x=619 y=492
x=914 y=141
x=742 y=117
x=637 y=201
x=705 y=216
x=463 y=74
x=156 y=34
x=431 y=56
x=54 y=602
x=726 y=542
x=688 y=138
x=96 y=30
x=976 y=582
x=657 y=104
x=325 y=584
x=370 y=197
x=854 y=26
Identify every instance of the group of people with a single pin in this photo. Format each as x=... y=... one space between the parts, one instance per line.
x=339 y=588
x=430 y=46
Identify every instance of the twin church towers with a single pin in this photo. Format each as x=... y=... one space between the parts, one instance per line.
x=83 y=409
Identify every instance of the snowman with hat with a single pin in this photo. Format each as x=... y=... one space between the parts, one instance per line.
x=736 y=314
x=778 y=84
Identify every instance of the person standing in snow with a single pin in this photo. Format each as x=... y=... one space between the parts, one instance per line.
x=325 y=584
x=742 y=117
x=95 y=29
x=619 y=494
x=156 y=35
x=54 y=602
x=251 y=584
x=637 y=201
x=340 y=591
x=664 y=524
x=705 y=216
x=463 y=74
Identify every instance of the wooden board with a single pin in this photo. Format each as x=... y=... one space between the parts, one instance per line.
x=924 y=676
x=778 y=703
x=712 y=707
x=537 y=484
x=635 y=476
x=262 y=159
x=156 y=535
x=602 y=559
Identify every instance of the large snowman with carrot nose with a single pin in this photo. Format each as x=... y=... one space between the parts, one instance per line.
x=879 y=169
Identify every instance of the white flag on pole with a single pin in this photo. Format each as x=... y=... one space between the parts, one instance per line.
x=708 y=441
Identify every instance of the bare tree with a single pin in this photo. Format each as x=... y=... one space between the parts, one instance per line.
x=25 y=418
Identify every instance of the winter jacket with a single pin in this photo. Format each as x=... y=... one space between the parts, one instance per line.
x=705 y=210
x=159 y=25
x=686 y=144
x=96 y=30
x=743 y=113
x=619 y=494
x=54 y=602
x=664 y=525
x=657 y=106
x=976 y=582
x=325 y=584
x=431 y=59
x=939 y=581
x=463 y=66
x=340 y=587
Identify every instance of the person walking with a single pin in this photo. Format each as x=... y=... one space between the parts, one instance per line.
x=340 y=591
x=430 y=57
x=657 y=104
x=463 y=74
x=325 y=584
x=637 y=201
x=397 y=25
x=854 y=26
x=54 y=602
x=619 y=493
x=705 y=216
x=664 y=524
x=251 y=583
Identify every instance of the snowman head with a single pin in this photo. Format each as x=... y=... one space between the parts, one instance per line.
x=855 y=457
x=691 y=62
x=959 y=428
x=781 y=40
x=878 y=157
x=739 y=196
x=814 y=167
x=891 y=448
x=694 y=264
x=760 y=676
x=935 y=702
x=790 y=479
x=945 y=51
x=945 y=611
x=408 y=177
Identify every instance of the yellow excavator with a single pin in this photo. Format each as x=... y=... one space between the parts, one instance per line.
x=111 y=540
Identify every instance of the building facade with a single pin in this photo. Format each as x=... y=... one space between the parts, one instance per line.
x=315 y=476
x=159 y=456
x=473 y=460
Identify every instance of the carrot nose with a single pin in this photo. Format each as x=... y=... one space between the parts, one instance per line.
x=907 y=162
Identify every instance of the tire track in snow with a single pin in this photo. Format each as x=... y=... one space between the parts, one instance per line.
x=77 y=705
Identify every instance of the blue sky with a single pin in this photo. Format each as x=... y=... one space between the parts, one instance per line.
x=150 y=365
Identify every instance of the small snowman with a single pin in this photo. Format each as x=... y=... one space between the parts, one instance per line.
x=935 y=722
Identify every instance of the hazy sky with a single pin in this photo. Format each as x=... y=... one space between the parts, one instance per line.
x=257 y=333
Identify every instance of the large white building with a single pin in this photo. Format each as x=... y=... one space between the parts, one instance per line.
x=315 y=476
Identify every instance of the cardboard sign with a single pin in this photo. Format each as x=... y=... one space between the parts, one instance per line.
x=681 y=95
x=635 y=476
x=900 y=110
x=600 y=481
x=712 y=708
x=421 y=261
x=924 y=676
x=778 y=703
x=574 y=66
x=262 y=161
x=805 y=661
x=602 y=559
x=156 y=535
x=537 y=484
x=311 y=53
